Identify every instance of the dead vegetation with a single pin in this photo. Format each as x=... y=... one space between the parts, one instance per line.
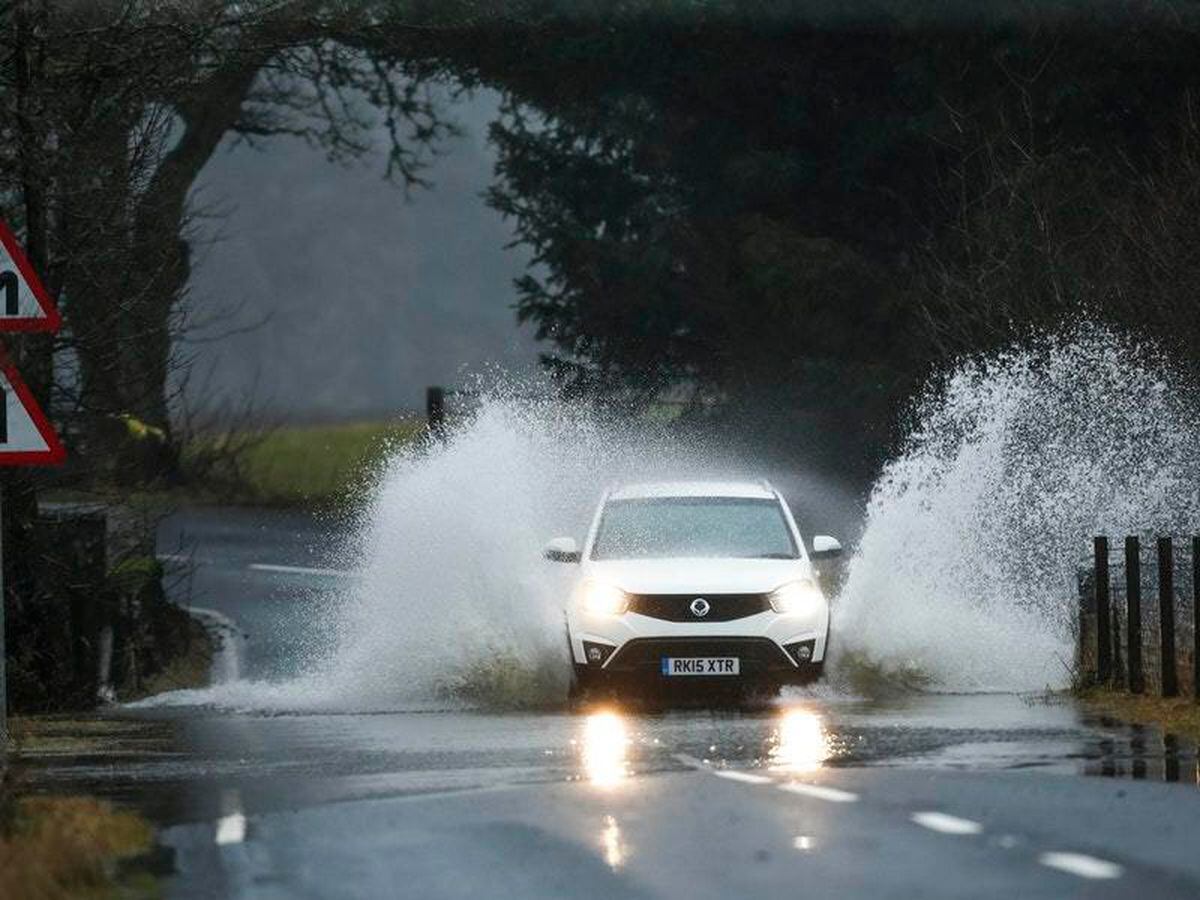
x=1177 y=715
x=58 y=847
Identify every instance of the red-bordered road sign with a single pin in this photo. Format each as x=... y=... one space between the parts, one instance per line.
x=24 y=303
x=26 y=436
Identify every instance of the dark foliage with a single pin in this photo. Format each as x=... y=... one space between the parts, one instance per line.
x=803 y=214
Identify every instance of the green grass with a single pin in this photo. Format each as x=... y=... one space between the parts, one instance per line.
x=317 y=465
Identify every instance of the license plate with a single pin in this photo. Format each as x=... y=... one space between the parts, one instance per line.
x=700 y=665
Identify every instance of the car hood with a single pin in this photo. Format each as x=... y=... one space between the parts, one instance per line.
x=697 y=576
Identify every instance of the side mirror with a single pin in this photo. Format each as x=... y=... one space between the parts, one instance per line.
x=562 y=549
x=825 y=547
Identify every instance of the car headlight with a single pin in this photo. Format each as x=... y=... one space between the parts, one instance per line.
x=604 y=599
x=797 y=598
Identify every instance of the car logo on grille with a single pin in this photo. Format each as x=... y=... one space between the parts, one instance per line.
x=699 y=607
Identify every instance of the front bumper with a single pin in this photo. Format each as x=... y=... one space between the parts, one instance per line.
x=760 y=657
x=632 y=645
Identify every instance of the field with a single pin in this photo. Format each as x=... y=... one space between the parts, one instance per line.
x=314 y=465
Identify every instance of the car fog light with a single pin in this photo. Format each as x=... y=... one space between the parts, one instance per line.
x=801 y=651
x=596 y=654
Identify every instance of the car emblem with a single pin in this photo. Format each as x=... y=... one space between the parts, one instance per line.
x=699 y=607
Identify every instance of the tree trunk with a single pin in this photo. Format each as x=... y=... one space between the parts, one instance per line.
x=93 y=234
x=209 y=114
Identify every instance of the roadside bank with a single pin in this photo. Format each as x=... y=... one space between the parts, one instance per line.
x=60 y=847
x=1177 y=715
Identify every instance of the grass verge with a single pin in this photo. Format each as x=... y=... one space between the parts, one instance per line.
x=312 y=465
x=1179 y=715
x=502 y=681
x=87 y=735
x=186 y=671
x=868 y=678
x=54 y=847
x=59 y=847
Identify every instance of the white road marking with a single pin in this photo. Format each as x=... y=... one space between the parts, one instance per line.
x=299 y=570
x=831 y=795
x=1073 y=863
x=819 y=792
x=946 y=824
x=1082 y=865
x=745 y=777
x=231 y=829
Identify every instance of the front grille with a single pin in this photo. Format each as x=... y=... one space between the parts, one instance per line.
x=757 y=655
x=676 y=607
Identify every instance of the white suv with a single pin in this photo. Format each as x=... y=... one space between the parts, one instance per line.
x=695 y=583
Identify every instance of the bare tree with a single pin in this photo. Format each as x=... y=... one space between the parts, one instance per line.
x=119 y=106
x=1042 y=237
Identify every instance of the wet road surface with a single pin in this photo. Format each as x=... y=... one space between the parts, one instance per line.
x=820 y=795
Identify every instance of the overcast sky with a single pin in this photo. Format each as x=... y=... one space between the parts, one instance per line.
x=369 y=297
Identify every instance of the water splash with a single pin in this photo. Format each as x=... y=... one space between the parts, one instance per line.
x=453 y=602
x=964 y=577
x=966 y=569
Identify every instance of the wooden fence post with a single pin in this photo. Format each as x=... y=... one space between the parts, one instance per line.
x=1133 y=604
x=1103 y=631
x=1084 y=604
x=435 y=408
x=1196 y=618
x=1166 y=617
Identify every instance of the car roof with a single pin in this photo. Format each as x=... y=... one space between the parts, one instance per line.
x=760 y=490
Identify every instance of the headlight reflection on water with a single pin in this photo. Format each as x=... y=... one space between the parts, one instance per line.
x=605 y=749
x=611 y=844
x=799 y=744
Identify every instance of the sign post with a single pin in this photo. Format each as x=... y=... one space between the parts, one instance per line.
x=26 y=436
x=3 y=649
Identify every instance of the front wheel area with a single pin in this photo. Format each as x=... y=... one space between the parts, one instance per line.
x=584 y=685
x=807 y=674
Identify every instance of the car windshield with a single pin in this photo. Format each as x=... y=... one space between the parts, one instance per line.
x=666 y=527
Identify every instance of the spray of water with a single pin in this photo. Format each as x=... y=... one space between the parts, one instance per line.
x=455 y=600
x=965 y=571
x=452 y=600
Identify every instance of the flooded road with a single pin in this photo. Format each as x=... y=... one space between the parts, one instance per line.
x=918 y=794
x=178 y=765
x=930 y=795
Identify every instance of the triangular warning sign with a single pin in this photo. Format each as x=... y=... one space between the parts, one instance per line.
x=26 y=436
x=24 y=303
